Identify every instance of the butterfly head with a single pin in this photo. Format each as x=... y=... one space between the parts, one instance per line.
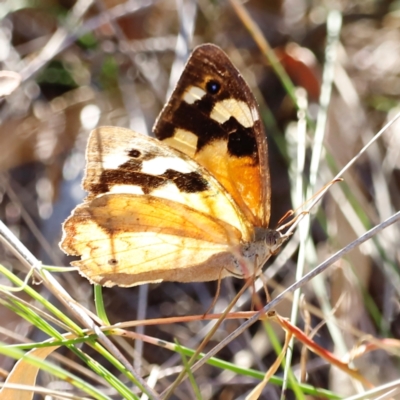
x=271 y=240
x=254 y=254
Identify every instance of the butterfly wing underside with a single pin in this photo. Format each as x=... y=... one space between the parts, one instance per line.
x=129 y=239
x=213 y=117
x=185 y=207
x=152 y=214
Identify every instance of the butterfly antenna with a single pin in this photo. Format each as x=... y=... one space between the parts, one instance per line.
x=299 y=210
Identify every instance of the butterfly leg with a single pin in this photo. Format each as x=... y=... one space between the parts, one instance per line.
x=216 y=294
x=255 y=298
x=219 y=287
x=291 y=222
x=264 y=282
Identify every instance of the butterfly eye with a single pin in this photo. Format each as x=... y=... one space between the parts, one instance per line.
x=213 y=87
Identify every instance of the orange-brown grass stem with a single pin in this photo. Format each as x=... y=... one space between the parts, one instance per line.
x=315 y=348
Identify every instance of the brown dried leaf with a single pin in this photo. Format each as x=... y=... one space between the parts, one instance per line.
x=24 y=373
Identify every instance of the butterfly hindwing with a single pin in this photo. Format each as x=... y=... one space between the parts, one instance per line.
x=213 y=117
x=130 y=239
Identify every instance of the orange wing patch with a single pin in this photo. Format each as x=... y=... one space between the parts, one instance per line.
x=239 y=176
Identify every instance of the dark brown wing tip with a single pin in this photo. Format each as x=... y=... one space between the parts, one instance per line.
x=207 y=49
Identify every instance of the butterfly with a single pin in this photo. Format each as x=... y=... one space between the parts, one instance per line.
x=192 y=204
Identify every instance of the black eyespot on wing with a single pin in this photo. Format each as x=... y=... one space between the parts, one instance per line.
x=135 y=153
x=113 y=262
x=213 y=87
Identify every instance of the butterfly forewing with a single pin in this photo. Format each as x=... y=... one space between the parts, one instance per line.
x=213 y=117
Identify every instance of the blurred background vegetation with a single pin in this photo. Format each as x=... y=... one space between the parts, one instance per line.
x=108 y=62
